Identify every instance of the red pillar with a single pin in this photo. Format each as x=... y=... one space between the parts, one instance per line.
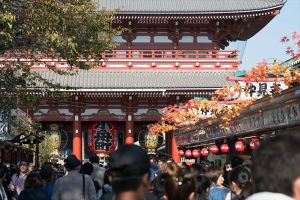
x=77 y=131
x=175 y=155
x=129 y=125
x=171 y=147
x=129 y=132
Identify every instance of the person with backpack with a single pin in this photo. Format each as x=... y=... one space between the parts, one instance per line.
x=16 y=185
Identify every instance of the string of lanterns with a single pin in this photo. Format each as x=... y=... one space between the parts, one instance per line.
x=224 y=148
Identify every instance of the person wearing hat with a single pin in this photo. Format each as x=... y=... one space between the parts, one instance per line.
x=74 y=186
x=130 y=170
x=46 y=174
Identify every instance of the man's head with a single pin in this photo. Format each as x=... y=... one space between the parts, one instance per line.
x=24 y=166
x=72 y=163
x=94 y=159
x=130 y=168
x=275 y=165
x=30 y=167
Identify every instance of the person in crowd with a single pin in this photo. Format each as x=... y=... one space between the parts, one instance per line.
x=217 y=190
x=3 y=172
x=202 y=187
x=163 y=167
x=71 y=186
x=159 y=186
x=107 y=188
x=196 y=169
x=30 y=168
x=46 y=175
x=98 y=172
x=236 y=161
x=16 y=185
x=130 y=169
x=227 y=168
x=275 y=168
x=205 y=164
x=153 y=159
x=179 y=186
x=88 y=169
x=34 y=189
x=240 y=184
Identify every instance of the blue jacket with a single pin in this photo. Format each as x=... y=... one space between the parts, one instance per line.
x=215 y=193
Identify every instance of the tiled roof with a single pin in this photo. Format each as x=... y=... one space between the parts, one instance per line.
x=138 y=79
x=189 y=6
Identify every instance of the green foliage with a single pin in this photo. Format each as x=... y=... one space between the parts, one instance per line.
x=45 y=32
x=45 y=149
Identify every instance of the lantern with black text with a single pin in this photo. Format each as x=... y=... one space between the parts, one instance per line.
x=196 y=153
x=102 y=137
x=224 y=148
x=188 y=153
x=181 y=152
x=239 y=146
x=204 y=152
x=214 y=149
x=254 y=143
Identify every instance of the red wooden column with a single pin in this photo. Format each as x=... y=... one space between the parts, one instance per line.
x=77 y=130
x=171 y=147
x=129 y=125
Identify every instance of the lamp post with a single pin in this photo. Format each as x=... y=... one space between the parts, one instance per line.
x=37 y=129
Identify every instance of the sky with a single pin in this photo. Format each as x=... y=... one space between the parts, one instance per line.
x=266 y=43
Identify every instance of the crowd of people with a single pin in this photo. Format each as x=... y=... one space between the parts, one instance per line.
x=272 y=173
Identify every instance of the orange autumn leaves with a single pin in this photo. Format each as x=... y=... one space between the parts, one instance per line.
x=194 y=111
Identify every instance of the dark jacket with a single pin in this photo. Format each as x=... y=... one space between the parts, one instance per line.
x=34 y=194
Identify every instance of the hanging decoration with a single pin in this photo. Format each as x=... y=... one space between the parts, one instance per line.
x=214 y=149
x=254 y=143
x=188 y=153
x=102 y=137
x=181 y=152
x=204 y=152
x=196 y=153
x=150 y=142
x=239 y=146
x=224 y=148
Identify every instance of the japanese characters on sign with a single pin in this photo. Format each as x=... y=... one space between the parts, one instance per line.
x=102 y=137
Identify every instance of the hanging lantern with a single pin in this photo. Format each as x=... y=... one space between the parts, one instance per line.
x=58 y=138
x=239 y=146
x=224 y=148
x=196 y=153
x=102 y=137
x=214 y=149
x=188 y=153
x=150 y=142
x=254 y=143
x=204 y=152
x=181 y=152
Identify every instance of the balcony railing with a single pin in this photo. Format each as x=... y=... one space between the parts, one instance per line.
x=167 y=54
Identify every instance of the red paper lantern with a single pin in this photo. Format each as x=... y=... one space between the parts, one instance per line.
x=204 y=152
x=224 y=148
x=214 y=149
x=188 y=153
x=239 y=146
x=181 y=152
x=102 y=138
x=196 y=153
x=254 y=143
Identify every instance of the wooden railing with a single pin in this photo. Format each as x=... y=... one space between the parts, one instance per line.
x=169 y=54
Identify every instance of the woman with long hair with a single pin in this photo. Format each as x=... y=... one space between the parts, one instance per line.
x=240 y=184
x=179 y=186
